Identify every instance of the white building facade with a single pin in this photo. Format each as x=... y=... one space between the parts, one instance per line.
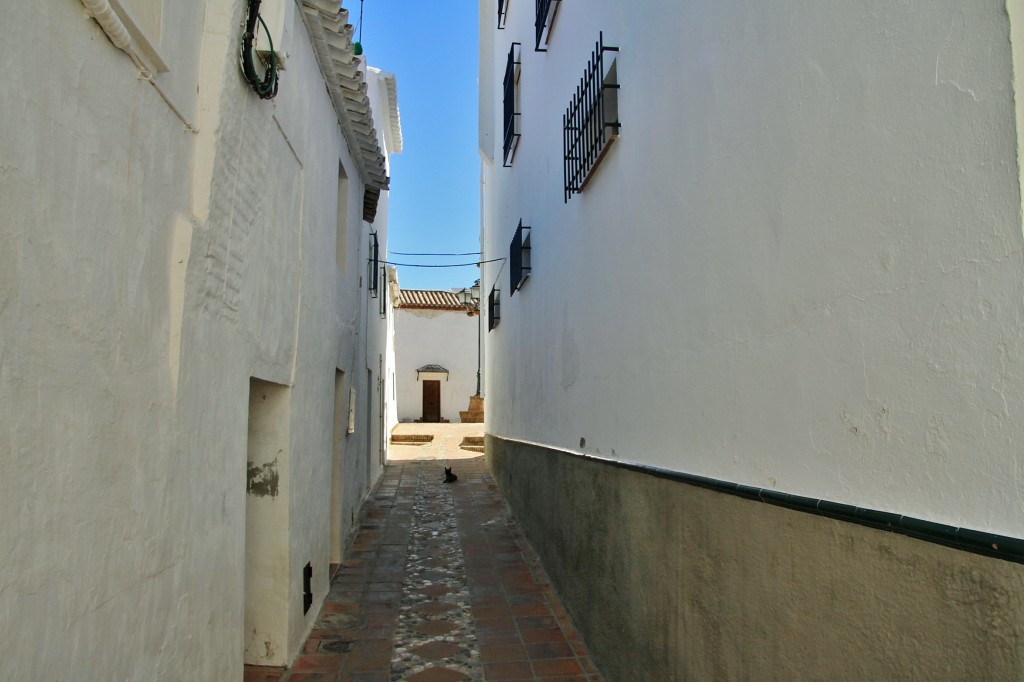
x=193 y=342
x=752 y=374
x=437 y=355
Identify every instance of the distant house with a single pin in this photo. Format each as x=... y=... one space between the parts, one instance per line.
x=436 y=345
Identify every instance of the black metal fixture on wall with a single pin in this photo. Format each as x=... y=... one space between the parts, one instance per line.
x=307 y=587
x=265 y=87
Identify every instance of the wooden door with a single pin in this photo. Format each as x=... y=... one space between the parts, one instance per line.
x=431 y=401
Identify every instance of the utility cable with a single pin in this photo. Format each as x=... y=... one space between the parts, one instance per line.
x=407 y=253
x=265 y=87
x=357 y=47
x=500 y=270
x=453 y=265
x=360 y=22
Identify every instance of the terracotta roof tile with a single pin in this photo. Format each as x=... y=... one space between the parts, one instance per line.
x=429 y=299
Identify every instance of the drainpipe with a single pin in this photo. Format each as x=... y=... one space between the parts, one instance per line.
x=104 y=14
x=479 y=341
x=107 y=18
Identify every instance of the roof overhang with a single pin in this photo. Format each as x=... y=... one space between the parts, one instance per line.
x=393 y=127
x=344 y=74
x=432 y=372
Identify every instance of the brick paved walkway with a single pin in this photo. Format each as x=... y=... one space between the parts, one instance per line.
x=439 y=586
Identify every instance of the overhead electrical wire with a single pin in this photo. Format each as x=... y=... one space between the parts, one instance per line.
x=360 y=22
x=358 y=45
x=452 y=265
x=407 y=253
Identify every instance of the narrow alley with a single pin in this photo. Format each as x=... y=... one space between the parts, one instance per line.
x=714 y=308
x=439 y=585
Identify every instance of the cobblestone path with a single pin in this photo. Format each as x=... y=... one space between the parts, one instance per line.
x=439 y=586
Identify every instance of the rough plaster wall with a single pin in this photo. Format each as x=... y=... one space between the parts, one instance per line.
x=425 y=337
x=799 y=267
x=672 y=582
x=272 y=230
x=124 y=460
x=93 y=170
x=233 y=326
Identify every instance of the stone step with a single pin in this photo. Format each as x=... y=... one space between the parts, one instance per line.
x=411 y=439
x=471 y=417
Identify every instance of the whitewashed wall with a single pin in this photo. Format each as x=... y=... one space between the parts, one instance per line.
x=146 y=274
x=799 y=268
x=383 y=324
x=435 y=337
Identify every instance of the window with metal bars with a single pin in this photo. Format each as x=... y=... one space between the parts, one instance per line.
x=511 y=115
x=373 y=270
x=493 y=309
x=545 y=17
x=502 y=13
x=519 y=259
x=591 y=122
x=384 y=297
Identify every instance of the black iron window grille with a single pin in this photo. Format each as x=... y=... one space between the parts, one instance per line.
x=493 y=309
x=502 y=13
x=384 y=298
x=519 y=258
x=511 y=114
x=545 y=17
x=591 y=123
x=373 y=270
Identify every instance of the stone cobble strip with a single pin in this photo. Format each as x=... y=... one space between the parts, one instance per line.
x=435 y=629
x=439 y=585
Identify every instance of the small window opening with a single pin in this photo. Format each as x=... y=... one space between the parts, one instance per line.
x=502 y=13
x=519 y=258
x=511 y=116
x=373 y=267
x=493 y=309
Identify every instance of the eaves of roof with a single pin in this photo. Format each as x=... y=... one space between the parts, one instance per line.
x=429 y=299
x=392 y=131
x=342 y=70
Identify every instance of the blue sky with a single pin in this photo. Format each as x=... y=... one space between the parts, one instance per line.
x=431 y=47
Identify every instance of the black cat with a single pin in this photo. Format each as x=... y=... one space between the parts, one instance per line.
x=449 y=477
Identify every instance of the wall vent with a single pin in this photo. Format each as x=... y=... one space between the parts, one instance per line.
x=307 y=588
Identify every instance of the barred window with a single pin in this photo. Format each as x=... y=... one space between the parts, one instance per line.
x=511 y=115
x=373 y=269
x=545 y=17
x=493 y=309
x=591 y=122
x=502 y=13
x=519 y=259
